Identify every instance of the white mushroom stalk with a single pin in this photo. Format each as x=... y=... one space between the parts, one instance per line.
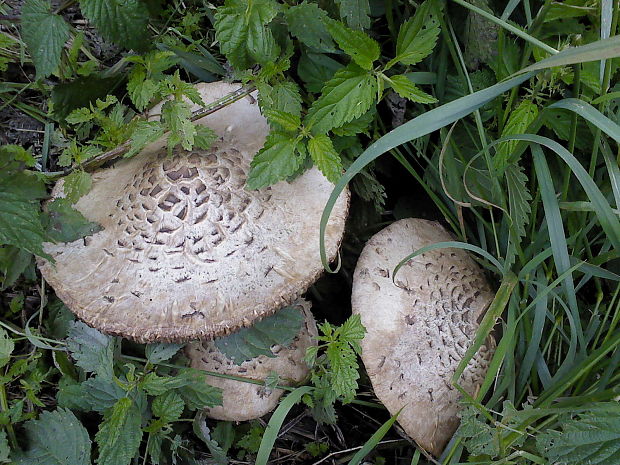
x=419 y=327
x=186 y=252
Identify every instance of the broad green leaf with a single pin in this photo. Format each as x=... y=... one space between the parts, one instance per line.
x=196 y=392
x=144 y=133
x=156 y=385
x=285 y=120
x=140 y=89
x=519 y=197
x=358 y=125
x=92 y=350
x=6 y=347
x=76 y=184
x=248 y=343
x=101 y=393
x=520 y=118
x=305 y=21
x=13 y=262
x=352 y=331
x=418 y=35
x=407 y=89
x=356 y=44
x=325 y=157
x=355 y=13
x=81 y=92
x=285 y=96
x=45 y=35
x=203 y=432
x=274 y=162
x=344 y=369
x=120 y=434
x=240 y=28
x=348 y=95
x=66 y=224
x=315 y=69
x=168 y=406
x=80 y=115
x=205 y=136
x=123 y=22
x=479 y=437
x=55 y=438
x=176 y=114
x=161 y=352
x=591 y=437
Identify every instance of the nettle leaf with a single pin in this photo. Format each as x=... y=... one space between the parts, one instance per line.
x=66 y=224
x=520 y=118
x=144 y=133
x=591 y=437
x=101 y=393
x=344 y=369
x=284 y=96
x=161 y=352
x=168 y=406
x=76 y=184
x=355 y=13
x=196 y=392
x=305 y=21
x=478 y=437
x=240 y=30
x=123 y=22
x=403 y=86
x=418 y=35
x=358 y=125
x=92 y=350
x=45 y=35
x=205 y=136
x=140 y=89
x=519 y=198
x=176 y=114
x=356 y=44
x=248 y=343
x=315 y=69
x=156 y=385
x=348 y=95
x=6 y=347
x=325 y=157
x=120 y=434
x=277 y=160
x=55 y=438
x=286 y=121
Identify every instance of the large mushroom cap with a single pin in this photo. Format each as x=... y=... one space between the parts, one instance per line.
x=419 y=328
x=186 y=252
x=244 y=401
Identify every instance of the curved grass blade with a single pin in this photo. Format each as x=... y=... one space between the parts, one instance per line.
x=420 y=126
x=588 y=112
x=275 y=423
x=373 y=440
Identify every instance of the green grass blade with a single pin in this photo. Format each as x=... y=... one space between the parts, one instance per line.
x=373 y=441
x=614 y=172
x=417 y=127
x=588 y=112
x=599 y=50
x=275 y=423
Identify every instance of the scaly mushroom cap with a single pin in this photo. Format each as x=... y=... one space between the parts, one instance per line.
x=419 y=328
x=186 y=252
x=245 y=401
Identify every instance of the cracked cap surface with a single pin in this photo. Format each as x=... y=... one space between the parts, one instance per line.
x=186 y=252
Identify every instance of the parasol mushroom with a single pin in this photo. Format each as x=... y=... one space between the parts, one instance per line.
x=186 y=252
x=419 y=327
x=245 y=401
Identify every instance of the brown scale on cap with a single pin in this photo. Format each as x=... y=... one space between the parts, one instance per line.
x=419 y=329
x=245 y=401
x=186 y=252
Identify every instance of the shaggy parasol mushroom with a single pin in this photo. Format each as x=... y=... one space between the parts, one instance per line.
x=186 y=252
x=245 y=401
x=419 y=328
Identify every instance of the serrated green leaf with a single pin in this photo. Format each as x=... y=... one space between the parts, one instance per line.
x=140 y=89
x=325 y=157
x=80 y=115
x=285 y=120
x=591 y=437
x=161 y=352
x=144 y=133
x=352 y=331
x=120 y=434
x=123 y=22
x=358 y=125
x=247 y=343
x=315 y=69
x=344 y=369
x=240 y=30
x=477 y=435
x=363 y=49
x=92 y=350
x=76 y=184
x=6 y=347
x=205 y=136
x=520 y=118
x=348 y=95
x=519 y=198
x=305 y=22
x=156 y=385
x=418 y=35
x=196 y=392
x=407 y=89
x=45 y=35
x=153 y=447
x=355 y=13
x=169 y=406
x=101 y=393
x=20 y=221
x=66 y=224
x=176 y=114
x=55 y=438
x=276 y=161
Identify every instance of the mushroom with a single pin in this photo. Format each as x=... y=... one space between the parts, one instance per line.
x=245 y=401
x=186 y=252
x=419 y=327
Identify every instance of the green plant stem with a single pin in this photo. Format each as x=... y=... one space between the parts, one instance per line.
x=4 y=406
